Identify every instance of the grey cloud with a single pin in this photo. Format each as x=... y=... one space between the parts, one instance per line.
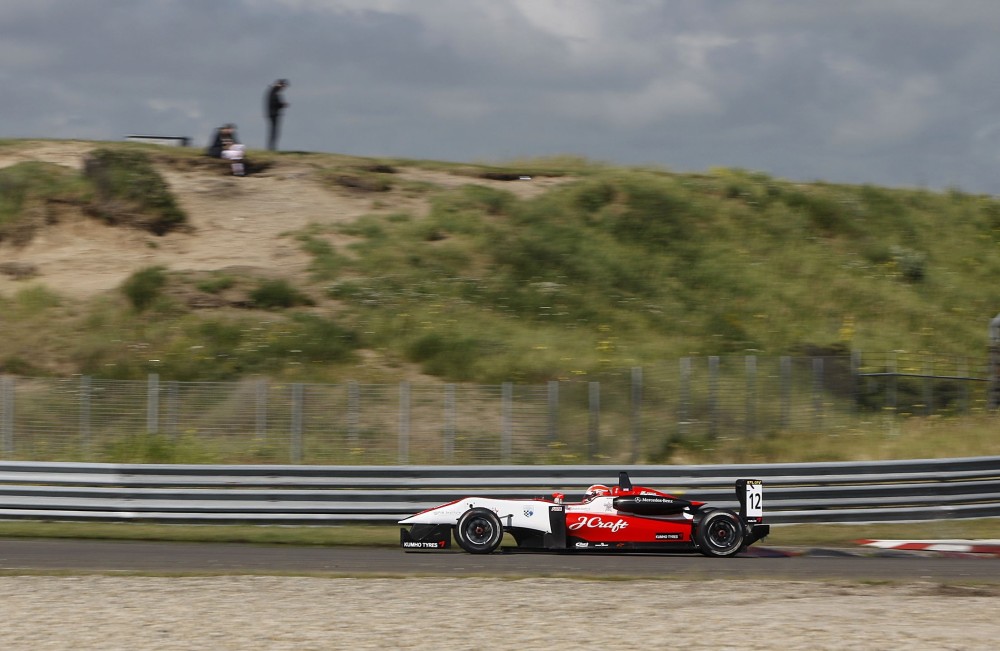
x=894 y=92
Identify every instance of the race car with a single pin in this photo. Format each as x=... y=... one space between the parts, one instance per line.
x=620 y=518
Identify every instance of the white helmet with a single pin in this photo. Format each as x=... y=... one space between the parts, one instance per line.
x=597 y=490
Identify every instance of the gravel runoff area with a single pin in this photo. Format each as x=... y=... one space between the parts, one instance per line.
x=267 y=612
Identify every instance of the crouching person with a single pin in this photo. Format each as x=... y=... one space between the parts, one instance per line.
x=226 y=146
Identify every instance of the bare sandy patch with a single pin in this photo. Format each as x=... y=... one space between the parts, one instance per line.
x=432 y=613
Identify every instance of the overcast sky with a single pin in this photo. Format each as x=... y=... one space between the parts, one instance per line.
x=890 y=92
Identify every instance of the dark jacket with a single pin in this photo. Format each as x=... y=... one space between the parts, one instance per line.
x=274 y=102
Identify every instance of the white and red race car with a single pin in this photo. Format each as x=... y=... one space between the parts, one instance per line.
x=622 y=518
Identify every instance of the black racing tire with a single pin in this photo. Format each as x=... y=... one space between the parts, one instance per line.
x=479 y=531
x=720 y=533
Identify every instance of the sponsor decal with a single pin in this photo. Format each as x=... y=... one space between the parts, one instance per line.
x=602 y=545
x=529 y=512
x=653 y=500
x=582 y=544
x=597 y=522
x=668 y=536
x=556 y=508
x=425 y=545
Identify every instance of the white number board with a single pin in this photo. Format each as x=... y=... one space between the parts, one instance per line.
x=755 y=498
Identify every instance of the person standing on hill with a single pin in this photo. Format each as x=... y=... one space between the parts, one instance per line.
x=273 y=106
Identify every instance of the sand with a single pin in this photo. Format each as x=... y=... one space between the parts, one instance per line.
x=248 y=612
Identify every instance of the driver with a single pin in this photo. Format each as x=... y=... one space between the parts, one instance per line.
x=597 y=490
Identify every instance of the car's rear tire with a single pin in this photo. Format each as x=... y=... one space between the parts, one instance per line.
x=479 y=531
x=720 y=533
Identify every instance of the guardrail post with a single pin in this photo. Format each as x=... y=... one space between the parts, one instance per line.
x=594 y=430
x=449 y=423
x=85 y=441
x=298 y=402
x=7 y=389
x=553 y=423
x=404 y=423
x=635 y=417
x=506 y=422
x=153 y=403
x=751 y=397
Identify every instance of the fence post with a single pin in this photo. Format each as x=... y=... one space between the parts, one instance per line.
x=817 y=365
x=404 y=423
x=553 y=425
x=353 y=414
x=892 y=385
x=635 y=417
x=153 y=404
x=7 y=389
x=173 y=408
x=449 y=423
x=928 y=386
x=751 y=397
x=260 y=410
x=684 y=396
x=993 y=399
x=786 y=391
x=298 y=404
x=713 y=396
x=963 y=371
x=506 y=421
x=856 y=380
x=594 y=430
x=85 y=441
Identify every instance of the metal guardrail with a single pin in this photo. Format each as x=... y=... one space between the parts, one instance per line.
x=914 y=490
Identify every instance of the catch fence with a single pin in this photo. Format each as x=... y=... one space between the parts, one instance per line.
x=627 y=416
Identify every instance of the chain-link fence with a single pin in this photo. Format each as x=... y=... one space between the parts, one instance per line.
x=627 y=416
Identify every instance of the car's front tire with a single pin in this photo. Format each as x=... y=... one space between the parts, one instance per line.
x=479 y=531
x=720 y=533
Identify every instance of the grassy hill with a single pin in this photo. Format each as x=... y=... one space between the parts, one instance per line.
x=468 y=272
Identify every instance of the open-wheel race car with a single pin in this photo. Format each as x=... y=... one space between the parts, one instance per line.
x=621 y=518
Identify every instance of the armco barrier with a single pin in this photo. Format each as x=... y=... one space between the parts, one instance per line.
x=914 y=490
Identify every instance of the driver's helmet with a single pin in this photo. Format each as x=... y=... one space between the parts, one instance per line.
x=597 y=490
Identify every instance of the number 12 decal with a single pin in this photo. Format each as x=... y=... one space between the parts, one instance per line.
x=755 y=498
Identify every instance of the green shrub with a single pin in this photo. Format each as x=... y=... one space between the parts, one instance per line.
x=144 y=287
x=323 y=340
x=36 y=299
x=450 y=356
x=128 y=190
x=327 y=263
x=216 y=284
x=278 y=293
x=912 y=265
x=28 y=193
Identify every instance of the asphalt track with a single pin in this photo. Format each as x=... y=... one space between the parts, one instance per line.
x=224 y=558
